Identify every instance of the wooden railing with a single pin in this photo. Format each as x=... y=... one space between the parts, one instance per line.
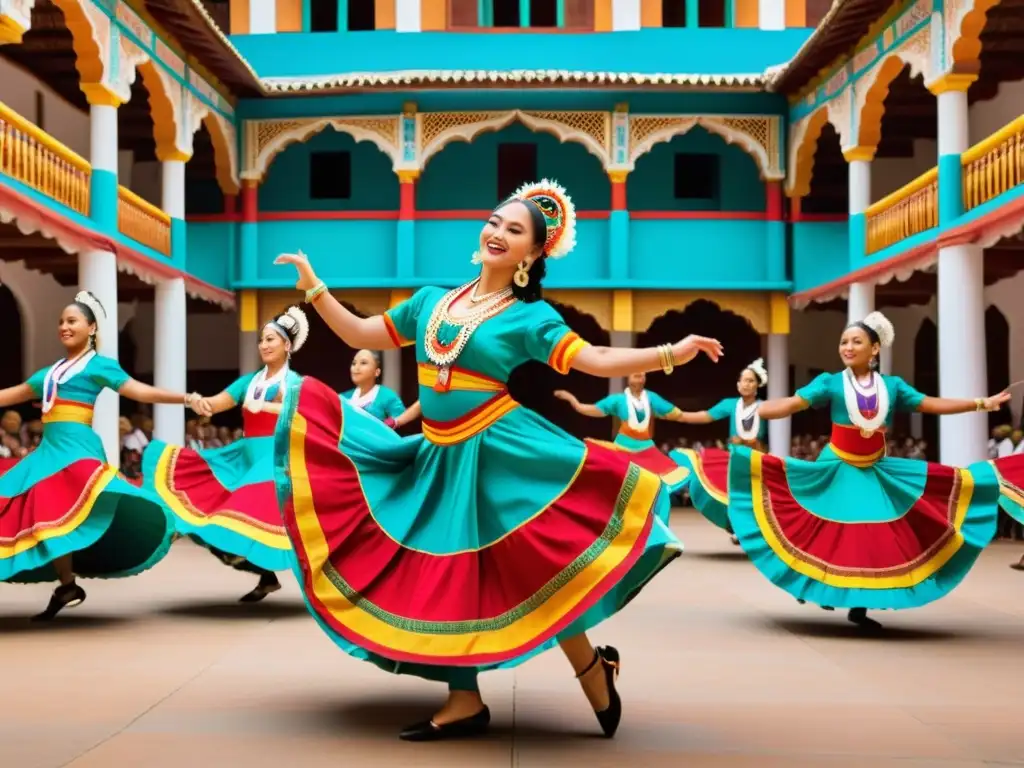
x=994 y=166
x=143 y=222
x=39 y=161
x=906 y=212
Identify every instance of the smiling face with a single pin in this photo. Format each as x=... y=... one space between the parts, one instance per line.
x=364 y=368
x=273 y=348
x=856 y=349
x=637 y=381
x=508 y=237
x=747 y=383
x=74 y=328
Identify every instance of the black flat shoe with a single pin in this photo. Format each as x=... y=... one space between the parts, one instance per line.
x=428 y=730
x=610 y=716
x=64 y=596
x=266 y=586
x=859 y=616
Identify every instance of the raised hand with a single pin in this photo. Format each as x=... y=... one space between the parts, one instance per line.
x=684 y=351
x=307 y=279
x=995 y=402
x=561 y=394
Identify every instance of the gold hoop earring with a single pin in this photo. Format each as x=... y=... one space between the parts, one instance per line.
x=522 y=275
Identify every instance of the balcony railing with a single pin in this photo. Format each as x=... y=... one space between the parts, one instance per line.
x=994 y=166
x=143 y=221
x=906 y=212
x=42 y=163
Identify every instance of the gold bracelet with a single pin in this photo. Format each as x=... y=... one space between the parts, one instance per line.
x=979 y=404
x=315 y=291
x=667 y=362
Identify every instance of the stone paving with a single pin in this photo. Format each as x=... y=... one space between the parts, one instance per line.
x=719 y=669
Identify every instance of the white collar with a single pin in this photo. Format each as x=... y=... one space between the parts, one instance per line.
x=260 y=386
x=63 y=369
x=364 y=401
x=744 y=412
x=850 y=389
x=638 y=403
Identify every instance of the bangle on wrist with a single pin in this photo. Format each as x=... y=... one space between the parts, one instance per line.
x=979 y=404
x=315 y=292
x=665 y=355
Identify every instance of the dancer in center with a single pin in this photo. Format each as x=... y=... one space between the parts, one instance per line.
x=494 y=535
x=709 y=469
x=377 y=400
x=636 y=408
x=224 y=498
x=858 y=529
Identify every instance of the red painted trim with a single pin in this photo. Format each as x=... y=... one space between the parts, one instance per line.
x=250 y=202
x=773 y=200
x=699 y=215
x=407 y=200
x=88 y=239
x=974 y=230
x=231 y=205
x=618 y=195
x=328 y=216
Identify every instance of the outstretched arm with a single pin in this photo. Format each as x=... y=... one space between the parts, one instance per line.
x=357 y=332
x=586 y=409
x=690 y=417
x=945 y=406
x=782 y=407
x=609 y=362
x=20 y=393
x=144 y=393
x=411 y=413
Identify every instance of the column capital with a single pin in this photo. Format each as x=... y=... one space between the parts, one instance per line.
x=248 y=311
x=407 y=175
x=866 y=154
x=618 y=176
x=622 y=310
x=99 y=95
x=409 y=108
x=14 y=23
x=778 y=314
x=250 y=183
x=951 y=82
x=172 y=154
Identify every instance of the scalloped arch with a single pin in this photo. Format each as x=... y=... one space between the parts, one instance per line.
x=802 y=149
x=872 y=104
x=651 y=306
x=717 y=126
x=86 y=39
x=965 y=30
x=225 y=151
x=469 y=131
x=305 y=131
x=163 y=110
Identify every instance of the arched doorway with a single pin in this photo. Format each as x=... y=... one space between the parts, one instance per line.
x=926 y=378
x=701 y=383
x=11 y=372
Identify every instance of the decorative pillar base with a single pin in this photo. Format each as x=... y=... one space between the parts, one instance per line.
x=170 y=361
x=97 y=273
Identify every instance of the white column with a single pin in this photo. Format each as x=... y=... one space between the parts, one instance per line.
x=172 y=181
x=262 y=17
x=407 y=15
x=859 y=186
x=169 y=361
x=771 y=15
x=860 y=302
x=391 y=373
x=103 y=152
x=780 y=431
x=626 y=15
x=97 y=272
x=248 y=352
x=954 y=125
x=621 y=339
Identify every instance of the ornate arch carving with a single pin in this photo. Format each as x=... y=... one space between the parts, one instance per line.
x=873 y=88
x=90 y=37
x=803 y=146
x=965 y=20
x=751 y=306
x=265 y=139
x=439 y=129
x=756 y=135
x=165 y=106
x=225 y=150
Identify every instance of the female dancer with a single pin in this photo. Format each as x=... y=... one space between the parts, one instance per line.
x=710 y=468
x=858 y=529
x=636 y=408
x=1010 y=471
x=63 y=508
x=543 y=535
x=374 y=398
x=224 y=498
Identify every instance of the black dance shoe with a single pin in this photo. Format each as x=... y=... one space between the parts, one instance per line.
x=428 y=730
x=859 y=616
x=64 y=596
x=610 y=716
x=268 y=584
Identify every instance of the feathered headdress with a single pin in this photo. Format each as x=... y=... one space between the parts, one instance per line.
x=758 y=369
x=86 y=298
x=881 y=325
x=293 y=325
x=559 y=215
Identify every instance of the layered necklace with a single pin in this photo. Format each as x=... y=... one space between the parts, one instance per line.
x=60 y=372
x=748 y=421
x=867 y=405
x=361 y=400
x=638 y=404
x=444 y=354
x=260 y=386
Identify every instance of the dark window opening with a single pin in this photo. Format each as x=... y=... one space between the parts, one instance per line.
x=506 y=13
x=362 y=15
x=40 y=111
x=517 y=164
x=673 y=13
x=696 y=177
x=711 y=13
x=323 y=15
x=543 y=13
x=330 y=175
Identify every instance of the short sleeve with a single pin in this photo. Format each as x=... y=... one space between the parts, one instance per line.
x=549 y=340
x=36 y=381
x=907 y=398
x=609 y=405
x=819 y=392
x=723 y=409
x=239 y=387
x=107 y=372
x=393 y=406
x=660 y=405
x=401 y=320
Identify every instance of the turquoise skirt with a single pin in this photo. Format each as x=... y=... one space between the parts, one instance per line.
x=708 y=482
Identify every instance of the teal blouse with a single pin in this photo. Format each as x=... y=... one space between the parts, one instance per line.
x=617 y=405
x=240 y=386
x=827 y=389
x=84 y=387
x=386 y=405
x=726 y=409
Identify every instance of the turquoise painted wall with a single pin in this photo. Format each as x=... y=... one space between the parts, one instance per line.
x=446 y=184
x=286 y=186
x=820 y=253
x=211 y=249
x=357 y=250
x=698 y=251
x=650 y=187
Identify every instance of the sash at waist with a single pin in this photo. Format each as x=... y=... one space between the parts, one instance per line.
x=457 y=379
x=855 y=447
x=471 y=424
x=69 y=412
x=637 y=434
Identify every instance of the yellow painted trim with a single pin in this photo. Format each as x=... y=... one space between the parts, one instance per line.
x=248 y=311
x=398 y=296
x=860 y=153
x=618 y=177
x=622 y=311
x=951 y=82
x=239 y=10
x=603 y=15
x=887 y=202
x=143 y=205
x=11 y=32
x=100 y=96
x=778 y=311
x=8 y=115
x=407 y=176
x=983 y=147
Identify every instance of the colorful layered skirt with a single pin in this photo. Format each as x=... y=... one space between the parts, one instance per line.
x=64 y=499
x=858 y=529
x=646 y=454
x=223 y=498
x=708 y=472
x=475 y=545
x=1010 y=471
